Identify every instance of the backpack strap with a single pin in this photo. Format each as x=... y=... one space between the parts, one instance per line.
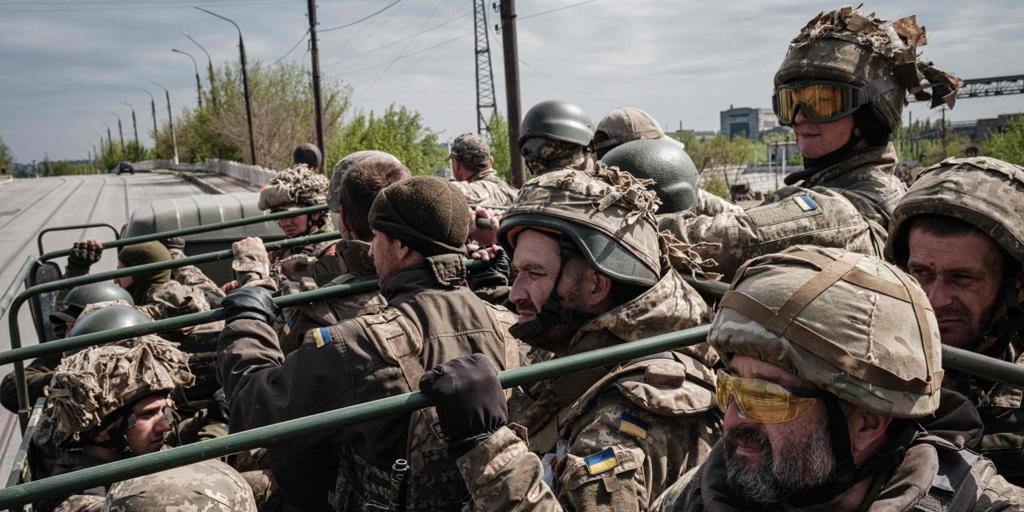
x=956 y=486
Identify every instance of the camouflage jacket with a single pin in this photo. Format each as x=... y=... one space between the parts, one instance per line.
x=207 y=486
x=487 y=188
x=86 y=500
x=430 y=318
x=847 y=205
x=609 y=438
x=191 y=275
x=711 y=205
x=171 y=298
x=917 y=483
x=315 y=250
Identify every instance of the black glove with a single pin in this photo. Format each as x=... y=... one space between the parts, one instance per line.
x=84 y=254
x=469 y=401
x=253 y=303
x=174 y=242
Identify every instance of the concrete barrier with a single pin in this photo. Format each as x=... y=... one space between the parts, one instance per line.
x=251 y=174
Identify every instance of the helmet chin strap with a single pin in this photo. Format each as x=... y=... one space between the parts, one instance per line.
x=552 y=313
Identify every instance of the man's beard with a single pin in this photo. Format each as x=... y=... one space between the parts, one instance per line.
x=968 y=335
x=806 y=464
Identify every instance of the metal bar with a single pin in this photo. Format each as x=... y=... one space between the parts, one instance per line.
x=6 y=302
x=12 y=289
x=39 y=239
x=204 y=228
x=712 y=288
x=400 y=404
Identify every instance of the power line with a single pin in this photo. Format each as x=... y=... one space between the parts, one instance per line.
x=134 y=7
x=403 y=57
x=562 y=8
x=296 y=45
x=398 y=41
x=364 y=18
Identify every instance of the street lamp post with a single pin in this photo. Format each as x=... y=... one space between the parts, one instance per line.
x=199 y=85
x=135 y=127
x=110 y=141
x=152 y=106
x=170 y=122
x=120 y=132
x=245 y=81
x=209 y=68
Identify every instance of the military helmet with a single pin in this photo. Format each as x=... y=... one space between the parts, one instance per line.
x=986 y=192
x=883 y=353
x=671 y=169
x=557 y=120
x=295 y=187
x=104 y=291
x=308 y=154
x=208 y=485
x=107 y=318
x=344 y=165
x=92 y=384
x=623 y=125
x=608 y=214
x=879 y=56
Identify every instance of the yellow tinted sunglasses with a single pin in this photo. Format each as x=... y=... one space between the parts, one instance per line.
x=762 y=401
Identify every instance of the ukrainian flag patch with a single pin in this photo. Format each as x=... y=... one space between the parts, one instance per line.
x=288 y=326
x=805 y=203
x=633 y=426
x=322 y=336
x=601 y=461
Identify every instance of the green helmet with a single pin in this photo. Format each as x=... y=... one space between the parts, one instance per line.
x=882 y=353
x=983 y=191
x=104 y=291
x=878 y=56
x=107 y=318
x=557 y=120
x=295 y=187
x=607 y=214
x=308 y=154
x=664 y=162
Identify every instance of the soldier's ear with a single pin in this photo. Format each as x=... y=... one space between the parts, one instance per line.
x=867 y=432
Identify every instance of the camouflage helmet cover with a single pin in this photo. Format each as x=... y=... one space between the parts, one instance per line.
x=346 y=164
x=983 y=191
x=782 y=309
x=209 y=485
x=849 y=46
x=92 y=384
x=295 y=187
x=557 y=120
x=607 y=213
x=625 y=124
x=471 y=148
x=670 y=168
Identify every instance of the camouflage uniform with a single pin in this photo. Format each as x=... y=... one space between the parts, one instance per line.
x=654 y=415
x=207 y=486
x=839 y=320
x=984 y=192
x=190 y=275
x=296 y=187
x=484 y=187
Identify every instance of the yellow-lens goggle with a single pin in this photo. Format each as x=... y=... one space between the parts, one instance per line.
x=762 y=401
x=822 y=102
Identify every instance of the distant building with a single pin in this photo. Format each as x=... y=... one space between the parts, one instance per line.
x=697 y=134
x=748 y=122
x=986 y=127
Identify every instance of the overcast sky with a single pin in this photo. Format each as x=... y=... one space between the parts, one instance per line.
x=66 y=65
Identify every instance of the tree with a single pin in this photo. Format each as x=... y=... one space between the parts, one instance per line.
x=398 y=131
x=499 y=145
x=6 y=158
x=1008 y=145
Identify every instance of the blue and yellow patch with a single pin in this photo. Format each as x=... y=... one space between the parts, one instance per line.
x=288 y=326
x=805 y=203
x=601 y=461
x=322 y=336
x=633 y=426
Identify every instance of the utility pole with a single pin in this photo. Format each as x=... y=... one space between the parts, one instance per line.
x=317 y=101
x=484 y=71
x=120 y=133
x=110 y=141
x=170 y=122
x=135 y=127
x=199 y=85
x=510 y=52
x=152 y=106
x=945 y=152
x=209 y=69
x=245 y=81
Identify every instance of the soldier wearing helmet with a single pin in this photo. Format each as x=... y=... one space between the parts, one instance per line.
x=842 y=87
x=307 y=154
x=627 y=124
x=471 y=161
x=593 y=272
x=154 y=292
x=667 y=167
x=556 y=135
x=110 y=403
x=832 y=397
x=958 y=232
x=296 y=187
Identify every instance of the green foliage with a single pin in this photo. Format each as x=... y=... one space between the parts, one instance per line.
x=720 y=150
x=1008 y=145
x=398 y=131
x=498 y=127
x=715 y=184
x=6 y=158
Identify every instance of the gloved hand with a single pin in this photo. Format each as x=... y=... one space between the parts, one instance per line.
x=469 y=401
x=253 y=303
x=174 y=242
x=84 y=253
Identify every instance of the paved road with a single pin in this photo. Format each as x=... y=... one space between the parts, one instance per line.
x=27 y=206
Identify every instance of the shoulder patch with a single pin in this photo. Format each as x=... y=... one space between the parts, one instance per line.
x=322 y=337
x=288 y=326
x=785 y=210
x=636 y=427
x=601 y=461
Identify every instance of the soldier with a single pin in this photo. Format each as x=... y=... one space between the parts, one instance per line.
x=207 y=486
x=627 y=124
x=842 y=87
x=958 y=232
x=556 y=135
x=471 y=167
x=154 y=292
x=580 y=288
x=666 y=165
x=296 y=187
x=191 y=275
x=419 y=230
x=308 y=155
x=109 y=403
x=832 y=397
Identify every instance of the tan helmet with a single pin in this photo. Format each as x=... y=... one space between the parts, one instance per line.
x=295 y=187
x=986 y=192
x=607 y=213
x=879 y=56
x=92 y=384
x=344 y=165
x=855 y=326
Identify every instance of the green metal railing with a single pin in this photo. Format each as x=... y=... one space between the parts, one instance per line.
x=73 y=227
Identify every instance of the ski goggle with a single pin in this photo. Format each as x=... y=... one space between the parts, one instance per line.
x=821 y=101
x=762 y=401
